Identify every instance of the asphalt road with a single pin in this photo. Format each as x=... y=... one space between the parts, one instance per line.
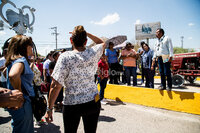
x=123 y=118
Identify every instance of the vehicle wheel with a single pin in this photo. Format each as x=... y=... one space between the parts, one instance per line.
x=177 y=80
x=191 y=79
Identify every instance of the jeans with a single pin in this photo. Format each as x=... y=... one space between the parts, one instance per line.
x=113 y=72
x=88 y=111
x=164 y=69
x=142 y=72
x=149 y=76
x=103 y=84
x=131 y=71
x=22 y=119
x=3 y=84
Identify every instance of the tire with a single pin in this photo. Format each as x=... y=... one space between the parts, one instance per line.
x=191 y=79
x=177 y=80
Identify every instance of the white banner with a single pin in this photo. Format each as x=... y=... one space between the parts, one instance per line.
x=147 y=30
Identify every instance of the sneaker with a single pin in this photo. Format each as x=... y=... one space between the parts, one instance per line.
x=161 y=88
x=169 y=88
x=104 y=101
x=41 y=122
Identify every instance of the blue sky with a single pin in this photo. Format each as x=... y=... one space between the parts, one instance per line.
x=109 y=18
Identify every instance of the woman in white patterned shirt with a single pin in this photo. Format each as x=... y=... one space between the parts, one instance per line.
x=75 y=71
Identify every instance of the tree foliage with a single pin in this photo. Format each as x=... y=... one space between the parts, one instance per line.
x=178 y=50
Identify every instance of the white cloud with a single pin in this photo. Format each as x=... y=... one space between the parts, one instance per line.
x=191 y=24
x=44 y=50
x=138 y=21
x=2 y=33
x=109 y=19
x=189 y=38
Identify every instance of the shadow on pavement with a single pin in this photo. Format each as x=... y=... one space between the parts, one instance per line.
x=185 y=95
x=193 y=84
x=47 y=128
x=117 y=101
x=106 y=118
x=5 y=119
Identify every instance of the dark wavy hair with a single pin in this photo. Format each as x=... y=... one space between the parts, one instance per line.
x=146 y=45
x=18 y=48
x=79 y=36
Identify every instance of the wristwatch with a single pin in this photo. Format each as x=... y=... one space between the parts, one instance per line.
x=48 y=109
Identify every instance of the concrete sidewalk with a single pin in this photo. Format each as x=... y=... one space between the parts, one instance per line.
x=118 y=117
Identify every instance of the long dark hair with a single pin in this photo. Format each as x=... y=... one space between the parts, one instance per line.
x=79 y=36
x=18 y=48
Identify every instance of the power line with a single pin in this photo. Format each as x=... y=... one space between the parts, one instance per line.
x=55 y=33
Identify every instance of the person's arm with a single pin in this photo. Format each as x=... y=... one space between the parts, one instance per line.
x=123 y=56
x=44 y=74
x=11 y=99
x=15 y=75
x=4 y=72
x=99 y=71
x=2 y=68
x=153 y=63
x=170 y=46
x=53 y=94
x=97 y=40
x=132 y=54
x=154 y=57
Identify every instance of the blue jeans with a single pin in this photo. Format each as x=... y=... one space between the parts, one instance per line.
x=149 y=76
x=164 y=69
x=103 y=84
x=22 y=119
x=131 y=71
x=3 y=84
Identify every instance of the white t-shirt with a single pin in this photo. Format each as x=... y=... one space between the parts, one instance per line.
x=46 y=66
x=2 y=63
x=75 y=71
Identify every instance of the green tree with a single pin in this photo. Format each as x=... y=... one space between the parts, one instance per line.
x=178 y=50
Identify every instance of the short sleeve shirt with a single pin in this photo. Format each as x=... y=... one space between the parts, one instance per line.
x=103 y=68
x=26 y=78
x=112 y=55
x=129 y=61
x=75 y=71
x=46 y=66
x=37 y=79
x=2 y=63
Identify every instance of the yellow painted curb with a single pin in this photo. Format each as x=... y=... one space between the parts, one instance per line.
x=172 y=100
x=158 y=77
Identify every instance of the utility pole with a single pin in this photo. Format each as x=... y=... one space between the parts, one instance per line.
x=55 y=33
x=182 y=41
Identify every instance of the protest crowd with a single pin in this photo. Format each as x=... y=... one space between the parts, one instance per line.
x=70 y=78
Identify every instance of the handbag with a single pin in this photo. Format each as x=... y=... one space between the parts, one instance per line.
x=45 y=87
x=39 y=104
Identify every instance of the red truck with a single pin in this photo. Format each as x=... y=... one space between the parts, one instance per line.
x=185 y=66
